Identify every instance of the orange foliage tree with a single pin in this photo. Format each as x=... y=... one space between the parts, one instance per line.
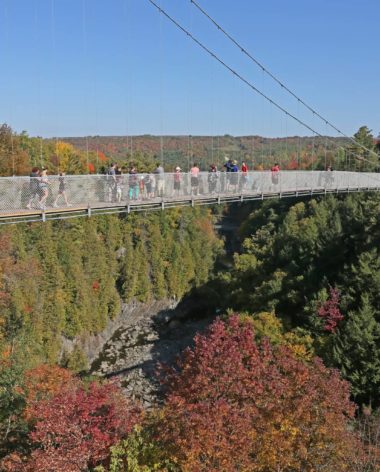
x=233 y=404
x=42 y=383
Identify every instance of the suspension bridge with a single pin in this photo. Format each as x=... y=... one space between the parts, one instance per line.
x=88 y=195
x=23 y=200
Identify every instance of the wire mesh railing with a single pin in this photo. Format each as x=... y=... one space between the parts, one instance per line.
x=25 y=195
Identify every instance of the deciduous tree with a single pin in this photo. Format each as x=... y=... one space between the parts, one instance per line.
x=233 y=404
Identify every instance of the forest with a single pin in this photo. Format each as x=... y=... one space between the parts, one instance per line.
x=93 y=154
x=285 y=379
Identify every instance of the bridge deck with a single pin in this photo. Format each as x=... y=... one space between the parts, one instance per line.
x=99 y=194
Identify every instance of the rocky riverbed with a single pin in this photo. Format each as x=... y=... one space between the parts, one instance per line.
x=144 y=339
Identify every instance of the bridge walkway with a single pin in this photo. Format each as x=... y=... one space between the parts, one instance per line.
x=99 y=194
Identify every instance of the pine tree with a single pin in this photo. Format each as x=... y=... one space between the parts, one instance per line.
x=356 y=352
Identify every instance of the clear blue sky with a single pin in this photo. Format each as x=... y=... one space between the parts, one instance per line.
x=116 y=67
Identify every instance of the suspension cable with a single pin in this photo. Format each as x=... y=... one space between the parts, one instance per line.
x=233 y=71
x=272 y=76
x=253 y=87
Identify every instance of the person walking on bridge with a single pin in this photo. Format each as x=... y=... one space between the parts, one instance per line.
x=244 y=176
x=160 y=180
x=234 y=177
x=177 y=181
x=61 y=190
x=111 y=181
x=33 y=187
x=275 y=172
x=194 y=179
x=43 y=185
x=133 y=184
x=212 y=179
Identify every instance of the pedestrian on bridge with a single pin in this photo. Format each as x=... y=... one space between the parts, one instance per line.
x=234 y=176
x=34 y=191
x=228 y=165
x=133 y=184
x=160 y=180
x=119 y=183
x=244 y=176
x=61 y=190
x=212 y=179
x=275 y=172
x=149 y=185
x=177 y=181
x=194 y=179
x=43 y=184
x=111 y=181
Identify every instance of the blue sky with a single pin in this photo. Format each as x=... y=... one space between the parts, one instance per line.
x=117 y=67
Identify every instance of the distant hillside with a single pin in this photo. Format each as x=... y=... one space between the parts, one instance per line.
x=183 y=150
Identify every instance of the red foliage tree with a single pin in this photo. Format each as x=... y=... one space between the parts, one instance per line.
x=330 y=311
x=234 y=405
x=75 y=429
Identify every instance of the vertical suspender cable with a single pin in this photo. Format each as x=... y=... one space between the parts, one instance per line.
x=325 y=147
x=7 y=42
x=262 y=132
x=85 y=59
x=189 y=95
x=53 y=37
x=128 y=115
x=252 y=132
x=299 y=140
x=39 y=151
x=270 y=137
x=212 y=114
x=161 y=91
x=313 y=148
x=286 y=140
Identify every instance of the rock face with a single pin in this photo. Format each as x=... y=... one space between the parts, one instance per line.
x=131 y=313
x=132 y=345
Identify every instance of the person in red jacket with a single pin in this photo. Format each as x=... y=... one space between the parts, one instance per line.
x=244 y=176
x=275 y=173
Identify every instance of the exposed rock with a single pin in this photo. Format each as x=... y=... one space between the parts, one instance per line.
x=132 y=313
x=135 y=349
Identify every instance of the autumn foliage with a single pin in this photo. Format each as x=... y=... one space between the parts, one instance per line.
x=75 y=428
x=330 y=311
x=42 y=383
x=235 y=405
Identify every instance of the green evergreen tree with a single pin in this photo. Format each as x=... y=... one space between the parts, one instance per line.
x=356 y=352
